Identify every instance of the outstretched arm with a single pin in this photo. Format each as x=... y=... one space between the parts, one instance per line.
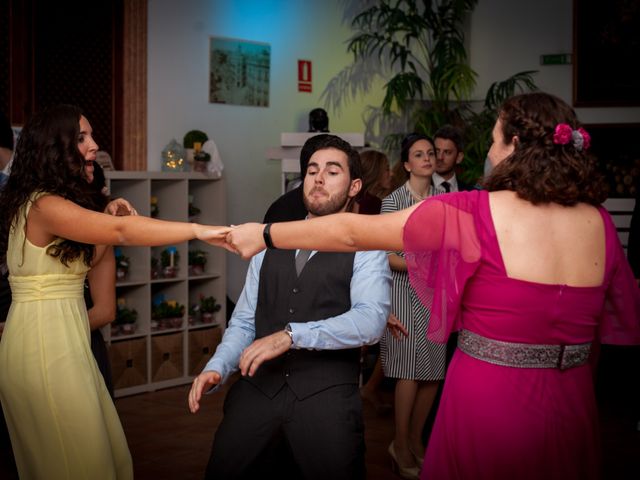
x=52 y=216
x=341 y=232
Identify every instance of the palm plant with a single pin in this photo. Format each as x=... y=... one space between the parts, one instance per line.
x=418 y=48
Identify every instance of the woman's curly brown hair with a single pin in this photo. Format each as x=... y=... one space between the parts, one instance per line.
x=539 y=170
x=47 y=160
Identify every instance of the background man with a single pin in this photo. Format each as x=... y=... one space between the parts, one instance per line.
x=449 y=145
x=295 y=335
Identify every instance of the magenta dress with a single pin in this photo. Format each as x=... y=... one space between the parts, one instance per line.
x=497 y=422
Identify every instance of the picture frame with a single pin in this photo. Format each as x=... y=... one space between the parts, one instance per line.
x=606 y=48
x=239 y=72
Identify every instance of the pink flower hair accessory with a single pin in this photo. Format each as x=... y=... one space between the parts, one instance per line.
x=564 y=134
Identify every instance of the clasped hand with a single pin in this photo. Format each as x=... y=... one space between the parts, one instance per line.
x=245 y=240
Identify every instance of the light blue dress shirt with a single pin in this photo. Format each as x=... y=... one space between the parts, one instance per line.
x=362 y=325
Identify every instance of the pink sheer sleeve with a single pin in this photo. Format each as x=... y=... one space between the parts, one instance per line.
x=442 y=250
x=620 y=323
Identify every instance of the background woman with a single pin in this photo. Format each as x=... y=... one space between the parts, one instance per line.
x=61 y=419
x=416 y=363
x=531 y=272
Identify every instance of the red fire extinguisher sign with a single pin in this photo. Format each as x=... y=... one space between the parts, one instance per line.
x=304 y=75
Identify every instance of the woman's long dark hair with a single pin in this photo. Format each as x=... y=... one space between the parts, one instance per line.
x=540 y=170
x=47 y=160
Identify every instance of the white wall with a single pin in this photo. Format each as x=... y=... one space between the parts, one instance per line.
x=505 y=37
x=178 y=90
x=509 y=36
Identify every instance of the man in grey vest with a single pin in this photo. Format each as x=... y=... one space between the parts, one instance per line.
x=295 y=335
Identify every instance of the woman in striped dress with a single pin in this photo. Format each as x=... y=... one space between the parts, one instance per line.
x=417 y=364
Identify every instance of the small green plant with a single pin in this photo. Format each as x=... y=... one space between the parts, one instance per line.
x=193 y=136
x=165 y=257
x=209 y=304
x=125 y=315
x=197 y=257
x=167 y=309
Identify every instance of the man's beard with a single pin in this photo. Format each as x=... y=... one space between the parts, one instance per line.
x=333 y=205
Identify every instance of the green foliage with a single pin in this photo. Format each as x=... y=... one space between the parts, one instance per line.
x=125 y=315
x=165 y=258
x=197 y=257
x=167 y=309
x=209 y=305
x=193 y=136
x=418 y=49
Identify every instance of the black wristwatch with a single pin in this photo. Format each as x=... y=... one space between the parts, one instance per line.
x=288 y=331
x=266 y=234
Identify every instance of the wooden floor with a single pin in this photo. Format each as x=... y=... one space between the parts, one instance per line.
x=168 y=442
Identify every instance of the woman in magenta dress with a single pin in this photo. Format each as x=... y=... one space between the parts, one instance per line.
x=531 y=273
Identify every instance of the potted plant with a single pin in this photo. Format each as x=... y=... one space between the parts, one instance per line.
x=125 y=321
x=192 y=139
x=197 y=261
x=122 y=265
x=168 y=314
x=208 y=308
x=169 y=258
x=419 y=49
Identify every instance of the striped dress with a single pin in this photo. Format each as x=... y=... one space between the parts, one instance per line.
x=413 y=357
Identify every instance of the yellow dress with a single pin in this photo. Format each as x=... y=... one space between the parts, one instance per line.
x=62 y=421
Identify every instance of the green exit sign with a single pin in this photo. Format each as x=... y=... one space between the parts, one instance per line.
x=556 y=59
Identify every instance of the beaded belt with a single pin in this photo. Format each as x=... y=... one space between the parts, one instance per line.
x=523 y=355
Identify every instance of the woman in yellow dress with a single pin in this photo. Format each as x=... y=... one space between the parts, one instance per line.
x=61 y=419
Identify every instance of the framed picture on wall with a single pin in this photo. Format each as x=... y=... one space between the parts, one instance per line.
x=606 y=44
x=239 y=72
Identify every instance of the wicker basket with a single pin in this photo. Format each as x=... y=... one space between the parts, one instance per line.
x=129 y=362
x=202 y=345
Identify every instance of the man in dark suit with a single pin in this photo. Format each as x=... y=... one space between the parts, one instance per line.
x=295 y=335
x=449 y=145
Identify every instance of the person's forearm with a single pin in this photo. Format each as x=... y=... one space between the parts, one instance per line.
x=342 y=232
x=99 y=317
x=138 y=230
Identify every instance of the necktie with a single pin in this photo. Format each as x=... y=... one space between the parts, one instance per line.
x=301 y=259
x=446 y=186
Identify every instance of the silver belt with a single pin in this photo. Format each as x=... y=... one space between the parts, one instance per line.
x=523 y=355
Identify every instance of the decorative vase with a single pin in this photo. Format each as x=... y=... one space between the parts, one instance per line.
x=121 y=273
x=170 y=272
x=207 y=317
x=199 y=166
x=128 y=328
x=196 y=269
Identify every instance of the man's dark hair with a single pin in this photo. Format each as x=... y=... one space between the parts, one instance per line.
x=333 y=141
x=307 y=150
x=449 y=132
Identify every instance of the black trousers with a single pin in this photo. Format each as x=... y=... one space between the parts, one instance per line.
x=324 y=434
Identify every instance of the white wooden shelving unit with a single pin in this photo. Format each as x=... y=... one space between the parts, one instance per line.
x=153 y=357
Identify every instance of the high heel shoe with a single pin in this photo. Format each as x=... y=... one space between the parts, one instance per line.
x=412 y=473
x=419 y=459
